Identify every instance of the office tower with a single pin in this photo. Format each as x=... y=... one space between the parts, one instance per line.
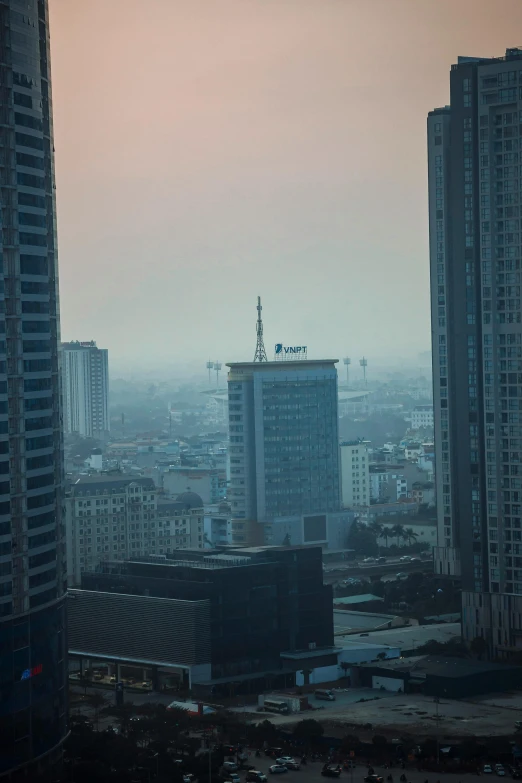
x=85 y=384
x=355 y=473
x=475 y=180
x=284 y=451
x=32 y=548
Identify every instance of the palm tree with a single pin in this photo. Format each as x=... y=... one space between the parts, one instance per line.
x=398 y=532
x=97 y=702
x=387 y=532
x=376 y=528
x=410 y=535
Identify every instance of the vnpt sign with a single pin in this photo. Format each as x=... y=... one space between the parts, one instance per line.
x=290 y=352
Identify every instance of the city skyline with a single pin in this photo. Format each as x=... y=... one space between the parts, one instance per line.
x=268 y=148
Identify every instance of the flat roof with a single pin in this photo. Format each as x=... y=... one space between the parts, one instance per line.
x=282 y=363
x=350 y=600
x=348 y=620
x=410 y=637
x=421 y=666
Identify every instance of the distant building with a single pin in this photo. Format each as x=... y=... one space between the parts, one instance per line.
x=218 y=524
x=85 y=388
x=284 y=454
x=180 y=523
x=355 y=473
x=206 y=482
x=422 y=416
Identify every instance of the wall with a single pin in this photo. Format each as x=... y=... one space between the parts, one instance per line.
x=388 y=683
x=319 y=675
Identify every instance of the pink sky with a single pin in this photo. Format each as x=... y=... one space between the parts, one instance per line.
x=208 y=151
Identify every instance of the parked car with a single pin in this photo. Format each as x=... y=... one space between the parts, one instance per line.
x=331 y=772
x=487 y=769
x=500 y=771
x=273 y=752
x=230 y=766
x=277 y=769
x=415 y=560
x=373 y=779
x=112 y=678
x=381 y=559
x=401 y=575
x=233 y=777
x=369 y=560
x=255 y=776
x=404 y=559
x=288 y=762
x=516 y=774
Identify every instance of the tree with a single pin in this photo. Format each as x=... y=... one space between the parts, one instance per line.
x=410 y=535
x=376 y=528
x=97 y=702
x=398 y=532
x=386 y=533
x=122 y=713
x=308 y=730
x=362 y=540
x=478 y=646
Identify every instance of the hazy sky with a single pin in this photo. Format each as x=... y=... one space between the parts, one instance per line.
x=208 y=151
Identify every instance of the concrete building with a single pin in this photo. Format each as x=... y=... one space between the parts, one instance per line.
x=211 y=618
x=206 y=482
x=109 y=517
x=33 y=708
x=355 y=473
x=284 y=454
x=422 y=416
x=180 y=523
x=475 y=252
x=218 y=524
x=85 y=384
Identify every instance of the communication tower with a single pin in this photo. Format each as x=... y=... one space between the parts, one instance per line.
x=217 y=368
x=347 y=362
x=210 y=366
x=364 y=364
x=260 y=354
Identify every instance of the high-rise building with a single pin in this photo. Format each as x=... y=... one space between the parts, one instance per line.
x=355 y=473
x=475 y=197
x=85 y=384
x=284 y=451
x=33 y=722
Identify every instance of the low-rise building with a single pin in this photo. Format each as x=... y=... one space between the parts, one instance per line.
x=422 y=416
x=180 y=523
x=208 y=483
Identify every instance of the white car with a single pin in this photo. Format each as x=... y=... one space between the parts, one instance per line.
x=487 y=769
x=277 y=769
x=500 y=772
x=288 y=762
x=230 y=766
x=233 y=777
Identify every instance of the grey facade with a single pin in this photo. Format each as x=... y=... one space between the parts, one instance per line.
x=85 y=384
x=164 y=631
x=284 y=445
x=32 y=548
x=475 y=181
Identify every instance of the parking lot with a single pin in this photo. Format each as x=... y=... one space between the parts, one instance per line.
x=312 y=772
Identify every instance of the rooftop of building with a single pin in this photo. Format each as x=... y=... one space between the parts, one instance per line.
x=109 y=482
x=282 y=364
x=353 y=600
x=186 y=501
x=408 y=637
x=438 y=666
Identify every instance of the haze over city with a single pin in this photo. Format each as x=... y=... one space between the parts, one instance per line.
x=213 y=151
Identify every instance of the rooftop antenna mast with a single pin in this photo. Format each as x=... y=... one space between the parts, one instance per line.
x=260 y=355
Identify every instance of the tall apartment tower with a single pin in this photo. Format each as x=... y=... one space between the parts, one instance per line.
x=475 y=210
x=284 y=451
x=32 y=547
x=85 y=388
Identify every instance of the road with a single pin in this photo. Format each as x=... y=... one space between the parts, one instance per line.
x=390 y=569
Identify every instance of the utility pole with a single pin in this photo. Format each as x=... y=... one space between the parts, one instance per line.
x=437 y=700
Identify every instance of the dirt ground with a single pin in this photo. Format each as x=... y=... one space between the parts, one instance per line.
x=494 y=715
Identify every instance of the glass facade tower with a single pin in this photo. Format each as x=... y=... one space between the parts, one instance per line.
x=32 y=549
x=284 y=443
x=475 y=203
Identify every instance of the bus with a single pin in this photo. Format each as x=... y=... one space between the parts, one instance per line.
x=275 y=706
